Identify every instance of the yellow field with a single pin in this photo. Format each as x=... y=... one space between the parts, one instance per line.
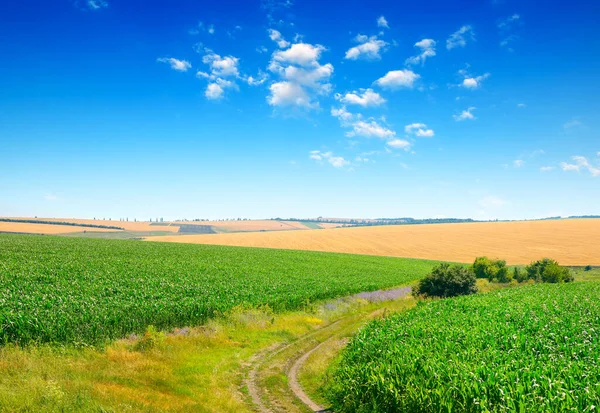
x=571 y=242
x=46 y=228
x=250 y=226
x=128 y=225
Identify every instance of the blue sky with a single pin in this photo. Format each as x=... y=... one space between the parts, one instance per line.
x=129 y=108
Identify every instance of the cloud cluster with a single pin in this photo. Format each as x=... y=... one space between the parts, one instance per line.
x=210 y=29
x=335 y=161
x=396 y=79
x=470 y=81
x=223 y=71
x=506 y=27
x=278 y=38
x=368 y=48
x=580 y=164
x=176 y=64
x=419 y=129
x=465 y=115
x=363 y=97
x=302 y=77
x=427 y=47
x=460 y=37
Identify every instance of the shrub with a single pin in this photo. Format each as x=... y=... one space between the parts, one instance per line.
x=588 y=268
x=493 y=270
x=548 y=271
x=447 y=281
x=519 y=275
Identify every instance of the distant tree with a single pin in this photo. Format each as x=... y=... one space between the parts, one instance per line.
x=588 y=268
x=549 y=271
x=493 y=270
x=519 y=275
x=447 y=281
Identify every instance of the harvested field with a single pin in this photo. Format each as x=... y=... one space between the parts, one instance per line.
x=249 y=226
x=26 y=228
x=128 y=225
x=570 y=241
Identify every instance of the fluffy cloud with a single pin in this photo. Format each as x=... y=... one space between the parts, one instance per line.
x=278 y=38
x=547 y=168
x=223 y=73
x=364 y=98
x=459 y=38
x=176 y=64
x=419 y=129
x=382 y=22
x=303 y=78
x=396 y=79
x=581 y=163
x=335 y=161
x=465 y=114
x=258 y=79
x=370 y=129
x=367 y=49
x=398 y=143
x=473 y=82
x=427 y=47
x=521 y=105
x=517 y=163
x=221 y=66
x=302 y=54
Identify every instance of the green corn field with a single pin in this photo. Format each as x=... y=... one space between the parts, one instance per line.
x=86 y=291
x=529 y=349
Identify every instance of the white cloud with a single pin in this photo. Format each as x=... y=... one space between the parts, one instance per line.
x=509 y=21
x=521 y=105
x=213 y=91
x=370 y=129
x=465 y=114
x=492 y=202
x=399 y=143
x=517 y=163
x=278 y=38
x=258 y=80
x=303 y=78
x=368 y=48
x=50 y=197
x=302 y=54
x=382 y=22
x=262 y=49
x=289 y=94
x=419 y=129
x=598 y=153
x=210 y=29
x=505 y=28
x=427 y=47
x=364 y=98
x=96 y=4
x=176 y=64
x=335 y=161
x=459 y=38
x=342 y=114
x=581 y=163
x=547 y=168
x=396 y=79
x=470 y=82
x=221 y=66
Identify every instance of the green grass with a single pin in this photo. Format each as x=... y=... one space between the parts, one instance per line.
x=534 y=348
x=582 y=275
x=74 y=290
x=310 y=224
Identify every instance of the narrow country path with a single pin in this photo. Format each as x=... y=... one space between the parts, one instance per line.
x=271 y=380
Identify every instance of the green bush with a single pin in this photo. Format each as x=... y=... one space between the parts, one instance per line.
x=547 y=270
x=493 y=270
x=519 y=275
x=588 y=268
x=447 y=281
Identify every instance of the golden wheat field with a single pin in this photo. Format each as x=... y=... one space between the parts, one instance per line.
x=571 y=242
x=250 y=225
x=26 y=228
